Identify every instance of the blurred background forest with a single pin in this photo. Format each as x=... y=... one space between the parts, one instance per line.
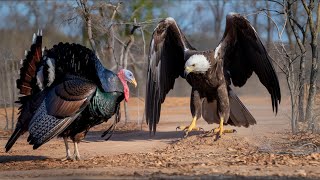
x=119 y=33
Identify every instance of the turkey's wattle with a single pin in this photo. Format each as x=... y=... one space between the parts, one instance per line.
x=126 y=90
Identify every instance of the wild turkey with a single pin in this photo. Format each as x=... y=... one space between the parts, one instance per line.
x=66 y=90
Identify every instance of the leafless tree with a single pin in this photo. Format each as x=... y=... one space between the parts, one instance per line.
x=295 y=28
x=312 y=8
x=101 y=25
x=218 y=10
x=293 y=63
x=8 y=72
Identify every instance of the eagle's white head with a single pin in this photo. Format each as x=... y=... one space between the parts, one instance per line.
x=197 y=63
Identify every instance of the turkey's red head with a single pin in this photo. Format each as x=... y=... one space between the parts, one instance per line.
x=126 y=76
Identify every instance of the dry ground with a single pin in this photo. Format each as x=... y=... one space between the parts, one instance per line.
x=264 y=151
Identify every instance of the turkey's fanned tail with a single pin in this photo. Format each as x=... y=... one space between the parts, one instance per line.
x=27 y=86
x=28 y=72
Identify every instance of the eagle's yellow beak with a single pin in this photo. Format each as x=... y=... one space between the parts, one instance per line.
x=187 y=70
x=134 y=82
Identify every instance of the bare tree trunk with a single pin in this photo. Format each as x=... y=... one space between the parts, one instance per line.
x=302 y=78
x=290 y=74
x=255 y=16
x=124 y=64
x=5 y=77
x=294 y=128
x=217 y=9
x=269 y=27
x=110 y=38
x=87 y=17
x=302 y=71
x=9 y=84
x=292 y=89
x=34 y=9
x=313 y=87
x=85 y=35
x=314 y=29
x=292 y=12
x=302 y=75
x=13 y=88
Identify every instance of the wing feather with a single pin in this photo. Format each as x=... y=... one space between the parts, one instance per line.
x=166 y=63
x=61 y=105
x=243 y=53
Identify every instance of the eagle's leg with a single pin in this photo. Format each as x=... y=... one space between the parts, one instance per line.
x=220 y=130
x=76 y=151
x=195 y=107
x=68 y=154
x=223 y=110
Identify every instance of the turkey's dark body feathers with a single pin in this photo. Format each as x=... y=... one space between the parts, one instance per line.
x=101 y=108
x=63 y=87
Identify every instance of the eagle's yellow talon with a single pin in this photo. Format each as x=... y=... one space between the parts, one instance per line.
x=191 y=127
x=181 y=127
x=229 y=131
x=220 y=130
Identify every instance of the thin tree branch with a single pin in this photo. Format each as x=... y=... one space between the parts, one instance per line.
x=87 y=17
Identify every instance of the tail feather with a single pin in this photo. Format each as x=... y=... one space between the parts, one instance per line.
x=210 y=111
x=25 y=115
x=239 y=114
x=16 y=134
x=27 y=81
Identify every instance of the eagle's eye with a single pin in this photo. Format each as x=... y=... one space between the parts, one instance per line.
x=193 y=65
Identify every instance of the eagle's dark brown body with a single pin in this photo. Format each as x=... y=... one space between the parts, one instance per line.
x=210 y=73
x=200 y=80
x=209 y=90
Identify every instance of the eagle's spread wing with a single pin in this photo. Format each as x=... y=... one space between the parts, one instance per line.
x=243 y=53
x=166 y=63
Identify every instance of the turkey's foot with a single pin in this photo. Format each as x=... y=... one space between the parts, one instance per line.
x=68 y=154
x=191 y=127
x=67 y=158
x=76 y=155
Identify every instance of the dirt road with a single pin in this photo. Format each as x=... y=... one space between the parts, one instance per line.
x=263 y=151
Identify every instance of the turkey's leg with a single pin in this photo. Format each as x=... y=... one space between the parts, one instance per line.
x=195 y=107
x=76 y=151
x=68 y=154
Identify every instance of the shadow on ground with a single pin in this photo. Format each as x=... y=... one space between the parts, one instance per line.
x=224 y=177
x=138 y=135
x=19 y=158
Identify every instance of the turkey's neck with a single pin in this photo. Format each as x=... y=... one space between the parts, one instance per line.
x=125 y=85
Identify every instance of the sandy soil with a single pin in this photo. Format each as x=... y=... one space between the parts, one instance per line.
x=264 y=151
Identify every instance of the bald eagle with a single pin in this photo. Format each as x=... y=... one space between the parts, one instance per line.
x=210 y=73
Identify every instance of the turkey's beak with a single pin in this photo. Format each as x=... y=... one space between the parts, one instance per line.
x=187 y=70
x=134 y=82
